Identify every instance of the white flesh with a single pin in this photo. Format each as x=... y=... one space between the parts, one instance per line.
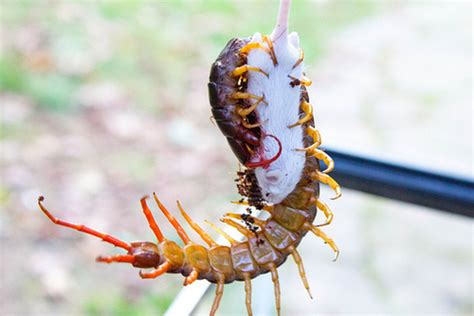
x=278 y=179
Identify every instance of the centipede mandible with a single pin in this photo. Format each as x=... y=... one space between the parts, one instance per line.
x=259 y=100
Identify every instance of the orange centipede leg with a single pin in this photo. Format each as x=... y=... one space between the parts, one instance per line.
x=105 y=237
x=321 y=155
x=255 y=220
x=179 y=229
x=151 y=220
x=219 y=292
x=269 y=42
x=157 y=272
x=191 y=277
x=116 y=258
x=205 y=236
x=299 y=263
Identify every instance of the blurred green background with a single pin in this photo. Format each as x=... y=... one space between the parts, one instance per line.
x=103 y=102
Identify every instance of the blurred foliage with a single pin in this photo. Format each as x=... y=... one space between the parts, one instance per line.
x=148 y=48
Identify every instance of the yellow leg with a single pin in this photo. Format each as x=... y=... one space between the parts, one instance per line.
x=157 y=272
x=248 y=293
x=299 y=263
x=245 y=68
x=267 y=208
x=243 y=230
x=321 y=155
x=315 y=135
x=308 y=110
x=276 y=284
x=219 y=292
x=305 y=81
x=250 y=126
x=319 y=233
x=246 y=95
x=222 y=233
x=246 y=111
x=254 y=45
x=253 y=219
x=197 y=228
x=324 y=178
x=327 y=213
x=267 y=40
x=300 y=59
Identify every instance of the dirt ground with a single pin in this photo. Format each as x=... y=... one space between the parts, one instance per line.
x=104 y=102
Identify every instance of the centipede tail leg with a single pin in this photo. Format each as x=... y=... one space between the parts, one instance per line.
x=157 y=272
x=105 y=237
x=299 y=263
x=276 y=284
x=219 y=292
x=151 y=220
x=116 y=258
x=248 y=293
x=319 y=233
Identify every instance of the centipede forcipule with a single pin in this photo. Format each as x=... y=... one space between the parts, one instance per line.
x=258 y=97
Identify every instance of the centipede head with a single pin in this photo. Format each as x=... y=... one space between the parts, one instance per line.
x=145 y=253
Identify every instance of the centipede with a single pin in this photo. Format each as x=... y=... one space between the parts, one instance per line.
x=259 y=100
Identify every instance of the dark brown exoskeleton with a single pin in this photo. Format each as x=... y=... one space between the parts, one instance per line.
x=222 y=87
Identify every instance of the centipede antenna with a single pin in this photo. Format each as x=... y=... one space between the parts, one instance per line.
x=248 y=293
x=179 y=229
x=205 y=236
x=218 y=297
x=151 y=220
x=222 y=233
x=253 y=219
x=299 y=263
x=326 y=179
x=244 y=231
x=116 y=258
x=105 y=237
x=276 y=284
x=157 y=272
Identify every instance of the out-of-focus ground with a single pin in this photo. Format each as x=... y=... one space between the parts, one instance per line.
x=104 y=102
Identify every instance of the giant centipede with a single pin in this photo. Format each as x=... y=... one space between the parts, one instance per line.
x=258 y=96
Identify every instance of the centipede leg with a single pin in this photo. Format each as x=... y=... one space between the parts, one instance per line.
x=248 y=293
x=327 y=213
x=245 y=68
x=326 y=179
x=308 y=110
x=105 y=237
x=157 y=272
x=276 y=284
x=300 y=59
x=205 y=236
x=219 y=292
x=299 y=263
x=319 y=233
x=321 y=155
x=177 y=226
x=191 y=277
x=267 y=40
x=151 y=220
x=243 y=112
x=315 y=135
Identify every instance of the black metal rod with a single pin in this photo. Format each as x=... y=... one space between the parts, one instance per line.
x=448 y=193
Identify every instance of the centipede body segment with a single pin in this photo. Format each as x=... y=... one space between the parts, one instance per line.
x=258 y=98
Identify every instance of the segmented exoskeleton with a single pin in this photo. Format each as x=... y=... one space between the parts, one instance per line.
x=259 y=100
